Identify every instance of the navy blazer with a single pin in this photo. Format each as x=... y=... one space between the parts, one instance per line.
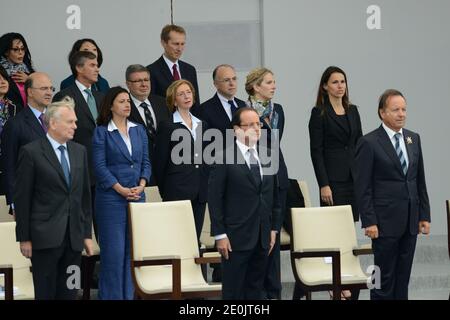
x=113 y=163
x=161 y=78
x=385 y=196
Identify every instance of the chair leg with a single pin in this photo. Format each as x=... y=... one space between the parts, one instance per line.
x=308 y=295
x=355 y=294
x=298 y=292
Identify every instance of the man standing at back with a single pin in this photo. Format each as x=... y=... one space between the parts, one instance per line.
x=27 y=126
x=391 y=195
x=53 y=204
x=169 y=67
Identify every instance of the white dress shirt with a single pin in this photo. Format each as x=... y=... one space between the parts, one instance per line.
x=226 y=105
x=126 y=138
x=137 y=103
x=55 y=145
x=195 y=122
x=170 y=65
x=82 y=87
x=391 y=133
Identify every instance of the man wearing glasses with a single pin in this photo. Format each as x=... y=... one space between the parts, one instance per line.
x=245 y=209
x=148 y=110
x=27 y=126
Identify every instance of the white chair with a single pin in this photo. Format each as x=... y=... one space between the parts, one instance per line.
x=4 y=211
x=323 y=232
x=14 y=266
x=165 y=259
x=152 y=194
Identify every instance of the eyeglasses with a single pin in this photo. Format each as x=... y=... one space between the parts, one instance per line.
x=45 y=88
x=19 y=49
x=228 y=80
x=253 y=125
x=140 y=80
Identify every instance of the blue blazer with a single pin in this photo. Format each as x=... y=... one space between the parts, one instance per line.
x=112 y=162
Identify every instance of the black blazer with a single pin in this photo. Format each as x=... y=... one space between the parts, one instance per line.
x=44 y=203
x=384 y=195
x=282 y=176
x=15 y=96
x=238 y=207
x=185 y=181
x=332 y=147
x=214 y=114
x=18 y=131
x=86 y=122
x=162 y=113
x=161 y=78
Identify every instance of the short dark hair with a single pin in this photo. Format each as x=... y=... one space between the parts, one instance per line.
x=382 y=102
x=6 y=42
x=168 y=28
x=79 y=43
x=236 y=119
x=135 y=68
x=105 y=114
x=78 y=59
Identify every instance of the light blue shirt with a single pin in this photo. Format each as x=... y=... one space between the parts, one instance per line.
x=391 y=133
x=55 y=145
x=36 y=112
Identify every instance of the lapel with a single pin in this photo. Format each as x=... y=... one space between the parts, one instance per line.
x=73 y=159
x=165 y=70
x=242 y=165
x=50 y=155
x=81 y=104
x=135 y=115
x=33 y=123
x=333 y=116
x=115 y=136
x=135 y=142
x=409 y=149
x=386 y=143
x=220 y=111
x=351 y=120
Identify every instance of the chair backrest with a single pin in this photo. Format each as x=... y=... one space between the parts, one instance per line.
x=152 y=194
x=4 y=211
x=323 y=228
x=448 y=225
x=205 y=236
x=10 y=248
x=305 y=192
x=163 y=229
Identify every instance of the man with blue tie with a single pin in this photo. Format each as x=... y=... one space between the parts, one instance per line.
x=391 y=195
x=53 y=204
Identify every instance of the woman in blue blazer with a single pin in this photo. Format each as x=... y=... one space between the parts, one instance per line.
x=122 y=169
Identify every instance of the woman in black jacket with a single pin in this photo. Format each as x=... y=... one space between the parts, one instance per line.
x=334 y=129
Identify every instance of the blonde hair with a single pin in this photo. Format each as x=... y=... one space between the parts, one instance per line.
x=53 y=109
x=172 y=90
x=255 y=77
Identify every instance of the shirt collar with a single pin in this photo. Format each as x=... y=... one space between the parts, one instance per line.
x=170 y=63
x=112 y=126
x=36 y=112
x=391 y=133
x=81 y=86
x=138 y=102
x=223 y=99
x=177 y=118
x=55 y=144
x=244 y=148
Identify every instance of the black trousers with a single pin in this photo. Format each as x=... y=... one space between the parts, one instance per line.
x=394 y=257
x=51 y=272
x=272 y=281
x=199 y=216
x=243 y=274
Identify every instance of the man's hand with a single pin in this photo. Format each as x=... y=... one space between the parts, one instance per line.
x=223 y=246
x=424 y=227
x=26 y=248
x=273 y=239
x=372 y=232
x=326 y=195
x=89 y=247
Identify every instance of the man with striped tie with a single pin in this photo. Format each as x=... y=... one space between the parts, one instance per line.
x=391 y=195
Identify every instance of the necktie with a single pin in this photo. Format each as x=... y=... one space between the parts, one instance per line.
x=232 y=106
x=64 y=164
x=41 y=119
x=400 y=153
x=91 y=103
x=148 y=118
x=254 y=166
x=176 y=74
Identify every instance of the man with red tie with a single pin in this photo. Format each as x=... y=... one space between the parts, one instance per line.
x=169 y=67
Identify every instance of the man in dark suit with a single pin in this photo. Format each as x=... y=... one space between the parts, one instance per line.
x=25 y=127
x=85 y=69
x=148 y=110
x=53 y=204
x=245 y=210
x=218 y=110
x=169 y=67
x=391 y=195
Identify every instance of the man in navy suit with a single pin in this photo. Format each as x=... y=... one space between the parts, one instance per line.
x=25 y=127
x=169 y=67
x=391 y=195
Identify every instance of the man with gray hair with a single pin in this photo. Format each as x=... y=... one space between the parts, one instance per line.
x=53 y=205
x=146 y=109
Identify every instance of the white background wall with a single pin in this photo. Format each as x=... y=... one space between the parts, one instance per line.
x=301 y=38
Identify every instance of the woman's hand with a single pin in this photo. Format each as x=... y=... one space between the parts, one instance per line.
x=19 y=76
x=326 y=195
x=136 y=192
